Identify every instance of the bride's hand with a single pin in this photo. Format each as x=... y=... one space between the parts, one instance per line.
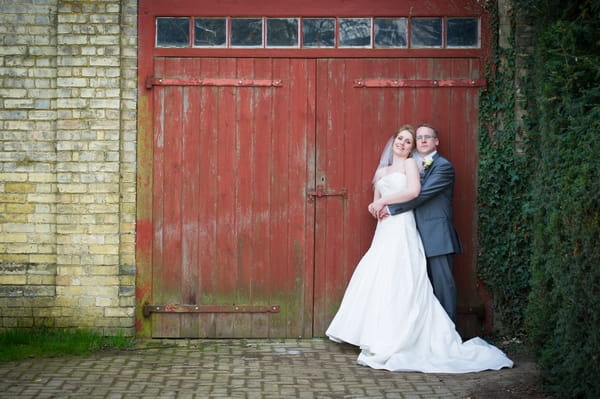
x=378 y=205
x=372 y=210
x=375 y=208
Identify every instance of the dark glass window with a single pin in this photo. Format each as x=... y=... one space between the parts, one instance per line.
x=210 y=32
x=246 y=32
x=172 y=32
x=318 y=32
x=355 y=32
x=282 y=32
x=390 y=32
x=426 y=32
x=462 y=32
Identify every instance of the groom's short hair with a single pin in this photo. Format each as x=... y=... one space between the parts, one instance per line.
x=435 y=131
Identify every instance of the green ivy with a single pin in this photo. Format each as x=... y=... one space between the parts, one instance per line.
x=504 y=174
x=563 y=315
x=539 y=193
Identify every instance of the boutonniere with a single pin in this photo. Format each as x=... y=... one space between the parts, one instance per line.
x=427 y=163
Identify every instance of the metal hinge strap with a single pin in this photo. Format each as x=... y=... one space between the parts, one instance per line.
x=401 y=83
x=154 y=81
x=176 y=308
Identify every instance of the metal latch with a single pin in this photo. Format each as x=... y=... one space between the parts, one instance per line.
x=321 y=191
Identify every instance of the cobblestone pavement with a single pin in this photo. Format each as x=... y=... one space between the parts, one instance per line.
x=311 y=368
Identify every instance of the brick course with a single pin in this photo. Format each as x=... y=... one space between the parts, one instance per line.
x=67 y=164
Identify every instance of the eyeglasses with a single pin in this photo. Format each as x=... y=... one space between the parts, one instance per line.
x=425 y=137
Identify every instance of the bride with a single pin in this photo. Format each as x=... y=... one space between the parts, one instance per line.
x=389 y=309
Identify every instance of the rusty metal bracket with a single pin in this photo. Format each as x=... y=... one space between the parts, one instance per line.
x=148 y=309
x=401 y=83
x=154 y=81
x=321 y=191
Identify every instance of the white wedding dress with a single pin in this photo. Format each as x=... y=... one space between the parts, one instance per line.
x=390 y=312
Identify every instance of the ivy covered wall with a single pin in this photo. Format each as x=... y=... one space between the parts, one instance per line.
x=539 y=189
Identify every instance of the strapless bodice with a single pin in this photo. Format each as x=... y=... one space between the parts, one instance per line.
x=391 y=183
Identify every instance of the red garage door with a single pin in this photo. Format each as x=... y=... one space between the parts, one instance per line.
x=255 y=162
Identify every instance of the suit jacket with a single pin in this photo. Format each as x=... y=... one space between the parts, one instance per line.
x=433 y=209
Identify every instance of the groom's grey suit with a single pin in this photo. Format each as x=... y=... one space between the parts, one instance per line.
x=433 y=215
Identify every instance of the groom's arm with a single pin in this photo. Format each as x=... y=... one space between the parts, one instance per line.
x=440 y=178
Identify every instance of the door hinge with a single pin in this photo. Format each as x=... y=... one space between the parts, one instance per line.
x=148 y=309
x=155 y=81
x=400 y=83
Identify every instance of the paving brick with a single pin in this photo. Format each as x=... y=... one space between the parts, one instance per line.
x=315 y=368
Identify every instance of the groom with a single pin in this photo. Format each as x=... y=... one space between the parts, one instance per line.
x=433 y=215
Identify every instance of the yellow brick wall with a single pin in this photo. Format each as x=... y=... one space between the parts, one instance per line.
x=67 y=166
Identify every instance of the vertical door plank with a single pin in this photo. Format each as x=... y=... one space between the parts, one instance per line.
x=227 y=165
x=331 y=126
x=208 y=198
x=169 y=276
x=302 y=232
x=279 y=192
x=260 y=231
x=301 y=133
x=190 y=190
x=244 y=212
x=158 y=200
x=361 y=125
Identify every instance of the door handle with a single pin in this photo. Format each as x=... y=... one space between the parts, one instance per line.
x=321 y=191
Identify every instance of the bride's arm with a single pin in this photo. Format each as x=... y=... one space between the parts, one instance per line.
x=411 y=191
x=376 y=193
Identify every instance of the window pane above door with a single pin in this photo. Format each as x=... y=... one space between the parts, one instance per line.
x=282 y=32
x=172 y=32
x=318 y=32
x=462 y=32
x=426 y=32
x=355 y=32
x=210 y=32
x=246 y=32
x=391 y=32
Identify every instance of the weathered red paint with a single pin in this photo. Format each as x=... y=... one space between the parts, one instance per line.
x=256 y=165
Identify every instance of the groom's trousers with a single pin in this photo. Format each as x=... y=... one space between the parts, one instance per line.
x=439 y=270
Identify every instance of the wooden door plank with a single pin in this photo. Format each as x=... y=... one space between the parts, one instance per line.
x=207 y=198
x=190 y=193
x=302 y=232
x=279 y=193
x=329 y=211
x=226 y=238
x=261 y=284
x=301 y=133
x=158 y=200
x=168 y=276
x=244 y=212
